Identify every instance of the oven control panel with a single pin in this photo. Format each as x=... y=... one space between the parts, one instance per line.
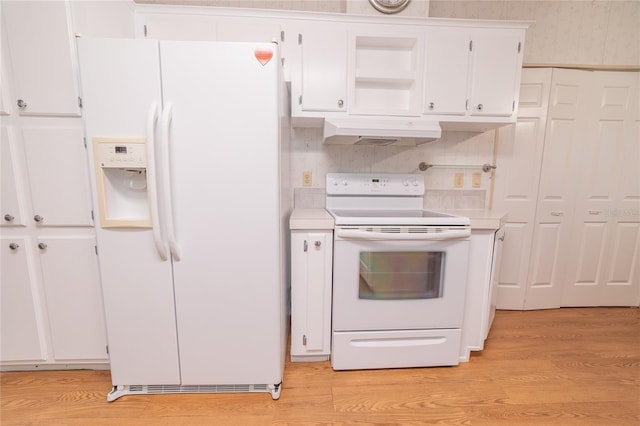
x=375 y=184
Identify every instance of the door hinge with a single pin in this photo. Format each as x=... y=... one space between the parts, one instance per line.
x=79 y=102
x=470 y=45
x=144 y=30
x=299 y=38
x=513 y=106
x=306 y=246
x=519 y=46
x=84 y=142
x=96 y=249
x=107 y=349
x=304 y=340
x=300 y=100
x=282 y=36
x=92 y=217
x=466 y=105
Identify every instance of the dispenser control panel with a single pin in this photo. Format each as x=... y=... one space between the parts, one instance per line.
x=122 y=155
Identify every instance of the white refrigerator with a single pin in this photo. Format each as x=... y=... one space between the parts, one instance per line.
x=188 y=144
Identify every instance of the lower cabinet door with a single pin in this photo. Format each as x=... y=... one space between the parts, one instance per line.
x=311 y=266
x=21 y=330
x=74 y=299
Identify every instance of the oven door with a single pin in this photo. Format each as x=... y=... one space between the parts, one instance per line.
x=394 y=279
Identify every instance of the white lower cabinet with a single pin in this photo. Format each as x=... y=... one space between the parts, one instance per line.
x=311 y=277
x=485 y=253
x=51 y=301
x=21 y=327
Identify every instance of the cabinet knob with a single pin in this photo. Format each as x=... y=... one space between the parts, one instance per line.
x=480 y=107
x=38 y=218
x=21 y=103
x=42 y=246
x=8 y=218
x=13 y=246
x=557 y=214
x=317 y=244
x=340 y=103
x=431 y=105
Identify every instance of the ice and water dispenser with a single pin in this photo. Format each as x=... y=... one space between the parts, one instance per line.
x=121 y=182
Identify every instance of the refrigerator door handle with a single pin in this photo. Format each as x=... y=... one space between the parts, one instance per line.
x=152 y=118
x=167 y=116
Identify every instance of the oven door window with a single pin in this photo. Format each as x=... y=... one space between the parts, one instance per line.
x=401 y=275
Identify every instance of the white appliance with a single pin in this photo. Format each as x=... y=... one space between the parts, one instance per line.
x=399 y=276
x=188 y=141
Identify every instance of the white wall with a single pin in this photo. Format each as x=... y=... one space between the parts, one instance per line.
x=599 y=32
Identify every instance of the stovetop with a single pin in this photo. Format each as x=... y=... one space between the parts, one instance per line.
x=383 y=199
x=396 y=217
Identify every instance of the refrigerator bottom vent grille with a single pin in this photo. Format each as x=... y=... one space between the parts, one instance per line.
x=119 y=391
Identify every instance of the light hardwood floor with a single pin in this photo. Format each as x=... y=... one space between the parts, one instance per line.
x=578 y=366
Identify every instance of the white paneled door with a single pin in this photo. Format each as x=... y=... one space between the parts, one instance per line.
x=603 y=262
x=519 y=159
x=579 y=173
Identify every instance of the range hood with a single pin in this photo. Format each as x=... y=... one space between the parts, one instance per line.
x=380 y=131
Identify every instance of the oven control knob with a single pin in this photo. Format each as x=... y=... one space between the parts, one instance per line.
x=415 y=182
x=406 y=182
x=345 y=183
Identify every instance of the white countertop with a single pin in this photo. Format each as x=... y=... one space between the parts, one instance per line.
x=321 y=219
x=310 y=219
x=481 y=219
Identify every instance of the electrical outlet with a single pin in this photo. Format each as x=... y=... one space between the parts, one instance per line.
x=307 y=179
x=476 y=180
x=458 y=180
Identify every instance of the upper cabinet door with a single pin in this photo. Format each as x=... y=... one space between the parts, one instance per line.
x=42 y=56
x=324 y=68
x=497 y=59
x=447 y=71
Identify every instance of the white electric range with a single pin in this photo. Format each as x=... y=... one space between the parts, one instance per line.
x=399 y=275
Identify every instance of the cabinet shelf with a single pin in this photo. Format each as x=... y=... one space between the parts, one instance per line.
x=390 y=77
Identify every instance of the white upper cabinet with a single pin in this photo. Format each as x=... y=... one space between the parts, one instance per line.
x=178 y=27
x=446 y=73
x=497 y=62
x=324 y=68
x=42 y=57
x=386 y=71
x=249 y=30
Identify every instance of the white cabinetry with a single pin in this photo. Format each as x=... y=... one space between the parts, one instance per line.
x=472 y=72
x=311 y=278
x=447 y=62
x=11 y=202
x=485 y=253
x=386 y=71
x=324 y=68
x=42 y=56
x=50 y=290
x=21 y=327
x=497 y=58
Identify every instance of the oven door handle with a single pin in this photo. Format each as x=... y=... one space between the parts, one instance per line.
x=356 y=234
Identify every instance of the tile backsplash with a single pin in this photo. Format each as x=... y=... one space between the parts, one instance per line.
x=309 y=154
